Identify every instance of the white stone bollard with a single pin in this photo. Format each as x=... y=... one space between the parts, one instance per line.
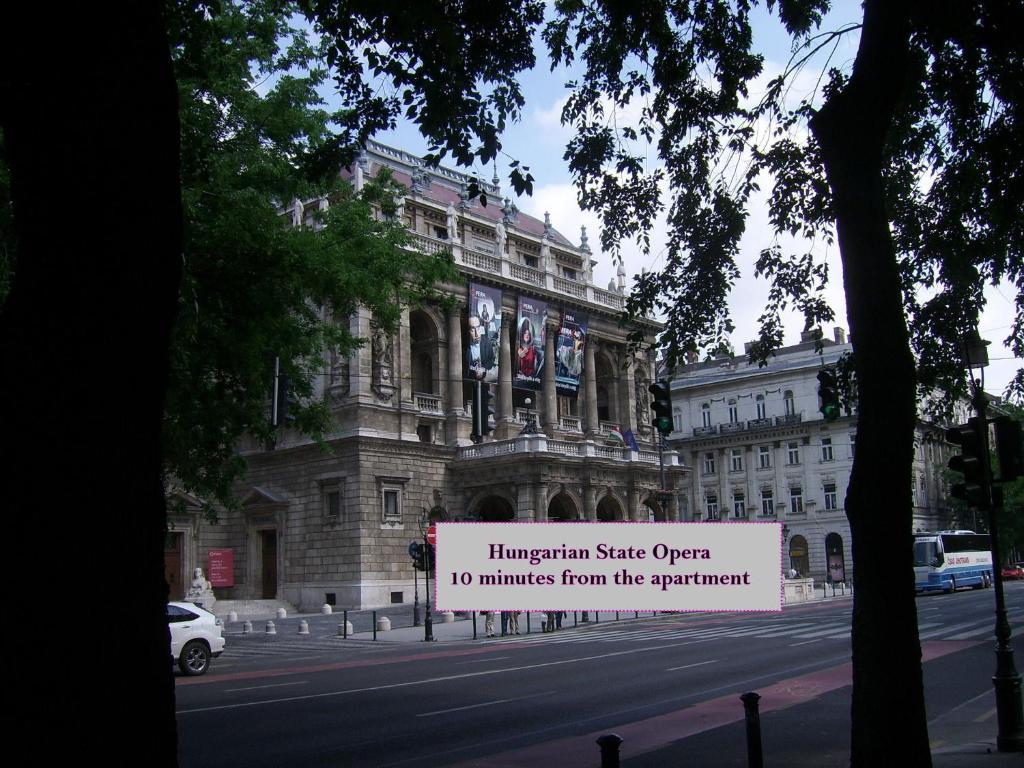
x=345 y=630
x=271 y=629
x=303 y=627
x=233 y=616
x=383 y=624
x=449 y=616
x=281 y=613
x=247 y=628
x=326 y=610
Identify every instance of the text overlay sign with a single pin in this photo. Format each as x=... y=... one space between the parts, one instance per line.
x=609 y=566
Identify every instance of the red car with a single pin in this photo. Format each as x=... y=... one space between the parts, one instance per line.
x=1014 y=571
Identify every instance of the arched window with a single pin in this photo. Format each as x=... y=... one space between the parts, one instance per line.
x=790 y=402
x=759 y=400
x=705 y=414
x=734 y=411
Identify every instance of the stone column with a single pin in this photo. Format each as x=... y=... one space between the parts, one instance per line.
x=628 y=418
x=403 y=359
x=455 y=404
x=590 y=503
x=505 y=368
x=672 y=508
x=540 y=502
x=590 y=384
x=633 y=503
x=550 y=396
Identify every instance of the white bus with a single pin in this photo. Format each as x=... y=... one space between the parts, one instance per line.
x=947 y=560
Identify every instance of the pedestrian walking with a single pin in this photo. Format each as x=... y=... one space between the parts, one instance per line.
x=549 y=624
x=559 y=615
x=504 y=623
x=488 y=623
x=513 y=622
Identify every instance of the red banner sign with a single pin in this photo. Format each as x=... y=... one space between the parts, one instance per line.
x=221 y=567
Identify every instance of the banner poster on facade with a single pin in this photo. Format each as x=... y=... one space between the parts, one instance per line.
x=483 y=331
x=572 y=340
x=528 y=355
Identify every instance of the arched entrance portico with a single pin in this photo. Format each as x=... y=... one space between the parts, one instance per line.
x=798 y=558
x=494 y=509
x=609 y=509
x=562 y=508
x=834 y=558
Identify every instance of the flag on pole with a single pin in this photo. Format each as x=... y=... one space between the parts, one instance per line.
x=630 y=439
x=615 y=436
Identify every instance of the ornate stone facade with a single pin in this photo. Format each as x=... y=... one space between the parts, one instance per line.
x=335 y=527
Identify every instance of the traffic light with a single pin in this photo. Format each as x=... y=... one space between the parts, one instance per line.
x=285 y=404
x=1009 y=448
x=828 y=393
x=972 y=462
x=416 y=552
x=662 y=406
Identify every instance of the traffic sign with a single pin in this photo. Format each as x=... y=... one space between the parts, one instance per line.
x=414 y=549
x=432 y=534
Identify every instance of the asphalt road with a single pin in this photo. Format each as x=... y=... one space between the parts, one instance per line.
x=669 y=685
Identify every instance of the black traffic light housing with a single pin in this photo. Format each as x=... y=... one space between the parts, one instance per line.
x=1009 y=448
x=483 y=410
x=972 y=462
x=285 y=404
x=828 y=394
x=661 y=405
x=418 y=561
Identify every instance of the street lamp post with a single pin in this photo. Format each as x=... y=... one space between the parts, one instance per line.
x=530 y=428
x=428 y=622
x=1006 y=680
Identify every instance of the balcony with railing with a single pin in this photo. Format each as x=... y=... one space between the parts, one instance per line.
x=517 y=273
x=428 y=403
x=788 y=419
x=576 y=449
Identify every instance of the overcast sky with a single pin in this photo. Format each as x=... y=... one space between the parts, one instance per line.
x=539 y=140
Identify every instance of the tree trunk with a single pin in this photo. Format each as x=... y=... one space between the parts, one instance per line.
x=888 y=713
x=88 y=108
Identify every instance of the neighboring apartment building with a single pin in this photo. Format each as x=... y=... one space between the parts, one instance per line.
x=760 y=450
x=335 y=527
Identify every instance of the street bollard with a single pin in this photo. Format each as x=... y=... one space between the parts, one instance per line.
x=282 y=613
x=755 y=758
x=247 y=628
x=616 y=615
x=271 y=629
x=575 y=620
x=344 y=623
x=326 y=609
x=609 y=744
x=303 y=627
x=474 y=625
x=374 y=619
x=232 y=616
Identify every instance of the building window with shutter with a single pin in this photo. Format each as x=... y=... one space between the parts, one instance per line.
x=793 y=453
x=796 y=500
x=831 y=502
x=736 y=460
x=826 y=449
x=739 y=504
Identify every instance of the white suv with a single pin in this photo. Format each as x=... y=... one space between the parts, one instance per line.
x=196 y=636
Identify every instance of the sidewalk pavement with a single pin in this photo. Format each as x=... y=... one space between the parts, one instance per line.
x=968 y=732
